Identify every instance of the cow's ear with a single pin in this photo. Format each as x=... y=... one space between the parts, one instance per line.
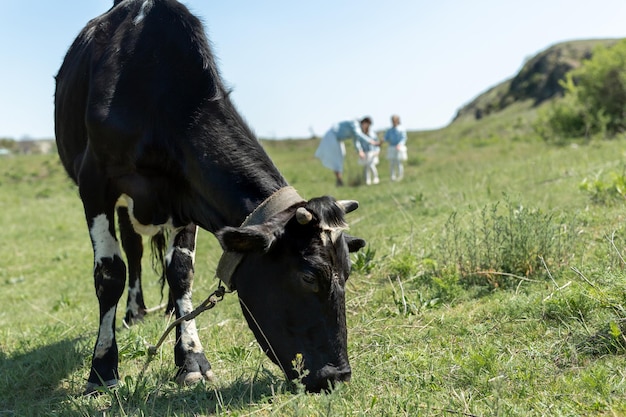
x=245 y=239
x=354 y=243
x=348 y=206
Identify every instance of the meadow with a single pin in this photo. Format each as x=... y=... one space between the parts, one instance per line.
x=493 y=284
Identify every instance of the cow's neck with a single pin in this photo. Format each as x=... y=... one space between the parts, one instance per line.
x=230 y=176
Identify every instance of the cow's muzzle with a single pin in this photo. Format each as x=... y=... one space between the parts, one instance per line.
x=327 y=378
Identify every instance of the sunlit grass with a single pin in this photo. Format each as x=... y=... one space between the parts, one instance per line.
x=421 y=340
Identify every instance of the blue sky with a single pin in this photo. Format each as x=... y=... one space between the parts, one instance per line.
x=298 y=67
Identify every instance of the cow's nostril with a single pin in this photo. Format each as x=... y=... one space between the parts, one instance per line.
x=344 y=375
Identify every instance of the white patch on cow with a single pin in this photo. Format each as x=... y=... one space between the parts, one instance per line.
x=181 y=251
x=104 y=244
x=188 y=331
x=325 y=239
x=330 y=232
x=193 y=253
x=105 y=335
x=171 y=249
x=133 y=291
x=142 y=229
x=143 y=11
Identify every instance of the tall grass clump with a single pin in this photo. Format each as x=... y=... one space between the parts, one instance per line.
x=604 y=289
x=504 y=241
x=418 y=283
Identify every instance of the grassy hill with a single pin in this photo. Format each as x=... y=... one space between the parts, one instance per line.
x=536 y=82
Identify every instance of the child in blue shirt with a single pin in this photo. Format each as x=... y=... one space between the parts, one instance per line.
x=371 y=150
x=397 y=151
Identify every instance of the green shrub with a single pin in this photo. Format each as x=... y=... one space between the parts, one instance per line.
x=605 y=191
x=503 y=241
x=562 y=120
x=599 y=85
x=594 y=101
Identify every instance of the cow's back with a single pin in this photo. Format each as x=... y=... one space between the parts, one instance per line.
x=133 y=79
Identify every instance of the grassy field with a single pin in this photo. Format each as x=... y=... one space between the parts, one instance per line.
x=492 y=284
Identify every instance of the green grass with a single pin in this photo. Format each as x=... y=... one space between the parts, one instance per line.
x=423 y=338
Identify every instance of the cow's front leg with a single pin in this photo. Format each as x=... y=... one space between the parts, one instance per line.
x=109 y=276
x=109 y=271
x=188 y=353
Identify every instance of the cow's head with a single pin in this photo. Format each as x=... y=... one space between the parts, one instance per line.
x=291 y=285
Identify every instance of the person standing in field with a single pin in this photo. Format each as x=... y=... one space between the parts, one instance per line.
x=397 y=151
x=371 y=149
x=332 y=151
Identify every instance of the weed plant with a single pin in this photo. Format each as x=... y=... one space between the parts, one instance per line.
x=606 y=188
x=505 y=240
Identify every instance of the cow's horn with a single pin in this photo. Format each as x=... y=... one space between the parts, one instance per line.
x=303 y=216
x=348 y=205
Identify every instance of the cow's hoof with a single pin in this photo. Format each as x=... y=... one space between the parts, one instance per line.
x=191 y=378
x=196 y=367
x=134 y=318
x=95 y=388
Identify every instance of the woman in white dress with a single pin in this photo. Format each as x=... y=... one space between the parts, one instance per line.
x=332 y=151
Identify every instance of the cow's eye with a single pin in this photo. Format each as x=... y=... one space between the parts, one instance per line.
x=311 y=282
x=309 y=279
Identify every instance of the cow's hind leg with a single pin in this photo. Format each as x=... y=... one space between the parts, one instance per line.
x=133 y=247
x=109 y=274
x=188 y=352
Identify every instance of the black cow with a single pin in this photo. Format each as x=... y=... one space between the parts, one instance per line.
x=144 y=126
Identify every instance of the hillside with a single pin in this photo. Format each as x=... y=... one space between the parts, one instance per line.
x=536 y=82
